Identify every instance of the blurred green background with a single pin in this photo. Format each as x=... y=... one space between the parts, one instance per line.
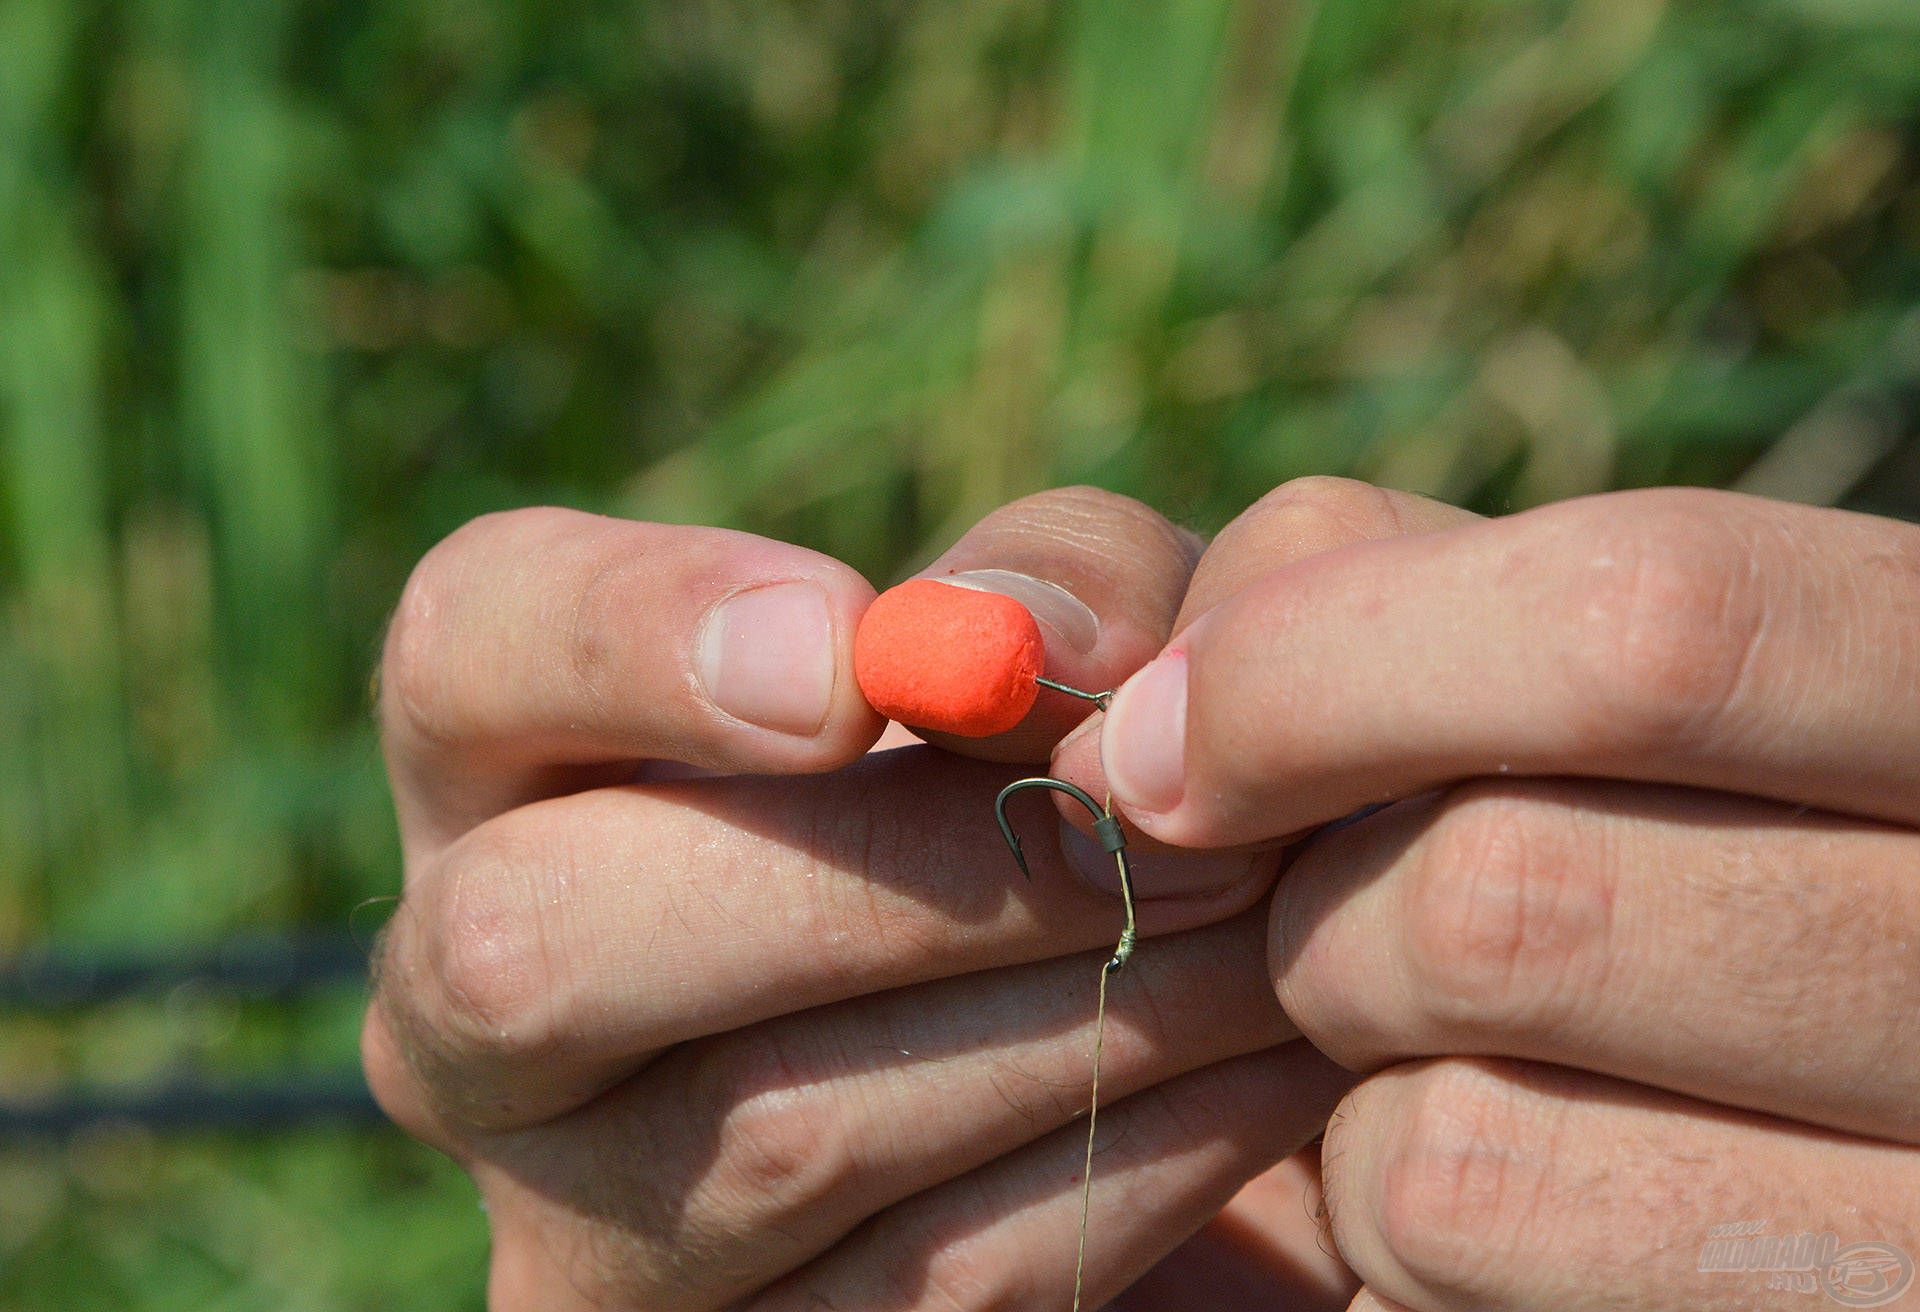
x=290 y=290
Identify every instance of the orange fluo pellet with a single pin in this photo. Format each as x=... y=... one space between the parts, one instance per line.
x=933 y=655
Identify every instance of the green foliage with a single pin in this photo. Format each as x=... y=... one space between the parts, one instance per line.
x=289 y=290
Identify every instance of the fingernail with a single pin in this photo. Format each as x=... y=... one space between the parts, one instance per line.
x=1155 y=874
x=766 y=656
x=1058 y=610
x=1143 y=744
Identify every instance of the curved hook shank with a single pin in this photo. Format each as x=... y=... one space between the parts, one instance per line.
x=1074 y=791
x=1106 y=828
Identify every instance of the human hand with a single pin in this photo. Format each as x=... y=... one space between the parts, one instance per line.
x=708 y=1038
x=1630 y=956
x=1265 y=1251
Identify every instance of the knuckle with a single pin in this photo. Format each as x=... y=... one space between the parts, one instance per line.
x=413 y=667
x=781 y=1144
x=917 y=1264
x=1318 y=952
x=961 y=1275
x=1508 y=910
x=390 y=1080
x=1342 y=1186
x=1322 y=510
x=1455 y=1200
x=425 y=638
x=1291 y=923
x=1663 y=617
x=1084 y=501
x=1097 y=520
x=492 y=979
x=399 y=1051
x=1301 y=518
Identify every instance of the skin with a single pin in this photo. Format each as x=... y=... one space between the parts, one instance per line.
x=724 y=1015
x=1623 y=957
x=1628 y=952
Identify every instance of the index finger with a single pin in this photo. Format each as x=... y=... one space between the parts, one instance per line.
x=1674 y=636
x=1298 y=520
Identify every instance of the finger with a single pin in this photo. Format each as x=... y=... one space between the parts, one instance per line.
x=1741 y=951
x=1675 y=636
x=535 y=651
x=546 y=955
x=1492 y=1185
x=734 y=1160
x=1006 y=1235
x=1264 y=1252
x=1101 y=573
x=1303 y=518
x=1368 y=1301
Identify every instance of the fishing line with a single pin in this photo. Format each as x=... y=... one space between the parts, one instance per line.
x=1107 y=832
x=962 y=661
x=1093 y=1121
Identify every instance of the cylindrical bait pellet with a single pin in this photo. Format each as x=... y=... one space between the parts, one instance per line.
x=938 y=656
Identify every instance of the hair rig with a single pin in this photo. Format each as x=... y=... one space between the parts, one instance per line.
x=956 y=660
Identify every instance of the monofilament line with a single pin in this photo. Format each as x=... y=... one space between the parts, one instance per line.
x=1107 y=832
x=1093 y=1121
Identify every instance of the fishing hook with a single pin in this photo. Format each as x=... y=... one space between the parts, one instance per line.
x=1106 y=829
